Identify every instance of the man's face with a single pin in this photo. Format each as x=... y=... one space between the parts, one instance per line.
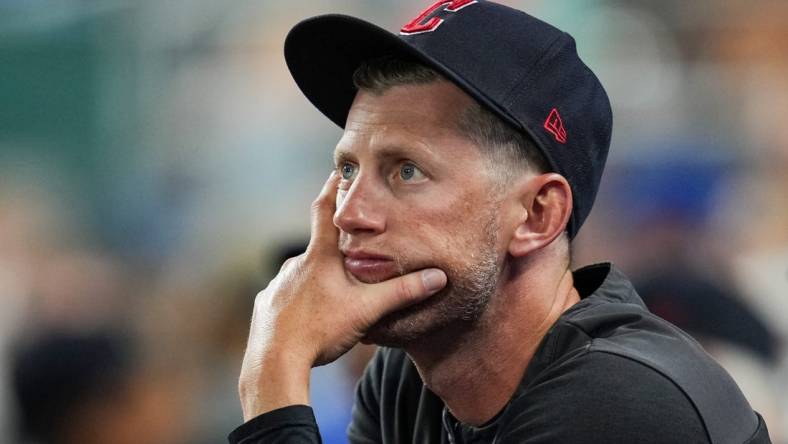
x=415 y=193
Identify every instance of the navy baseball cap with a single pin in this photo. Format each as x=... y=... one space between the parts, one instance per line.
x=524 y=70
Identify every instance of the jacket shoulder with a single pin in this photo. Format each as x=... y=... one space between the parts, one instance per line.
x=595 y=396
x=629 y=331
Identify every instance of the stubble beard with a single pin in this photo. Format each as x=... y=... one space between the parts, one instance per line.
x=457 y=307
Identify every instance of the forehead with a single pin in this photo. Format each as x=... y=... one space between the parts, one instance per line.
x=425 y=116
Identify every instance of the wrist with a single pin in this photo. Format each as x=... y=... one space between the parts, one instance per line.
x=275 y=383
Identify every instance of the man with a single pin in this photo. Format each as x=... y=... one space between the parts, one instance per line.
x=473 y=148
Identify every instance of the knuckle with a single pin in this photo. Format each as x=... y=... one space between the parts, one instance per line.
x=319 y=202
x=295 y=261
x=262 y=294
x=288 y=262
x=260 y=298
x=311 y=255
x=405 y=290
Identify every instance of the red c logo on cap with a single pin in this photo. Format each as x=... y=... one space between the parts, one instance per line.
x=417 y=27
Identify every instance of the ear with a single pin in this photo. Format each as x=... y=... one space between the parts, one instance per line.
x=546 y=202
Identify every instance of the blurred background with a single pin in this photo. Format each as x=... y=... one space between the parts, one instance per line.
x=157 y=164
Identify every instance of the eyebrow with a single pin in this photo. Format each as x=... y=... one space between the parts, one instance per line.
x=387 y=152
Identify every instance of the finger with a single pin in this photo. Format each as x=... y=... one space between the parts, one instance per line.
x=394 y=294
x=324 y=233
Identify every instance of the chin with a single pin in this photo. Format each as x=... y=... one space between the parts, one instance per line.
x=445 y=311
x=402 y=327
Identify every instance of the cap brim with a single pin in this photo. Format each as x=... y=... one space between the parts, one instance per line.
x=323 y=52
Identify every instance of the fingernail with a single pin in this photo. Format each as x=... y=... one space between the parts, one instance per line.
x=433 y=280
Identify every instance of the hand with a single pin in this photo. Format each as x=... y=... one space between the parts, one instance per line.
x=311 y=313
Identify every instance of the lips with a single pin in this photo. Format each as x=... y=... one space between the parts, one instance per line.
x=369 y=267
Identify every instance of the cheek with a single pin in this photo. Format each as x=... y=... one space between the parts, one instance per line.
x=441 y=226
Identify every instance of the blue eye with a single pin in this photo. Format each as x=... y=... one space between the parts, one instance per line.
x=348 y=170
x=409 y=171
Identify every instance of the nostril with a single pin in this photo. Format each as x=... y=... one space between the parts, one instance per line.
x=355 y=220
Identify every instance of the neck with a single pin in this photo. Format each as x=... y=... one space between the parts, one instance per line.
x=477 y=371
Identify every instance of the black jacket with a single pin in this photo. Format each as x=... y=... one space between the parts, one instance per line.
x=608 y=371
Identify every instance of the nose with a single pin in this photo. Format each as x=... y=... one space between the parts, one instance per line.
x=359 y=209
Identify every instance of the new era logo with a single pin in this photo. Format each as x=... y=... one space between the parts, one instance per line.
x=555 y=126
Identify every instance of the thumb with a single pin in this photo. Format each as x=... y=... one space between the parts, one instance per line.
x=396 y=293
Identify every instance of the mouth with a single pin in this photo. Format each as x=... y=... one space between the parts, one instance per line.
x=369 y=267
